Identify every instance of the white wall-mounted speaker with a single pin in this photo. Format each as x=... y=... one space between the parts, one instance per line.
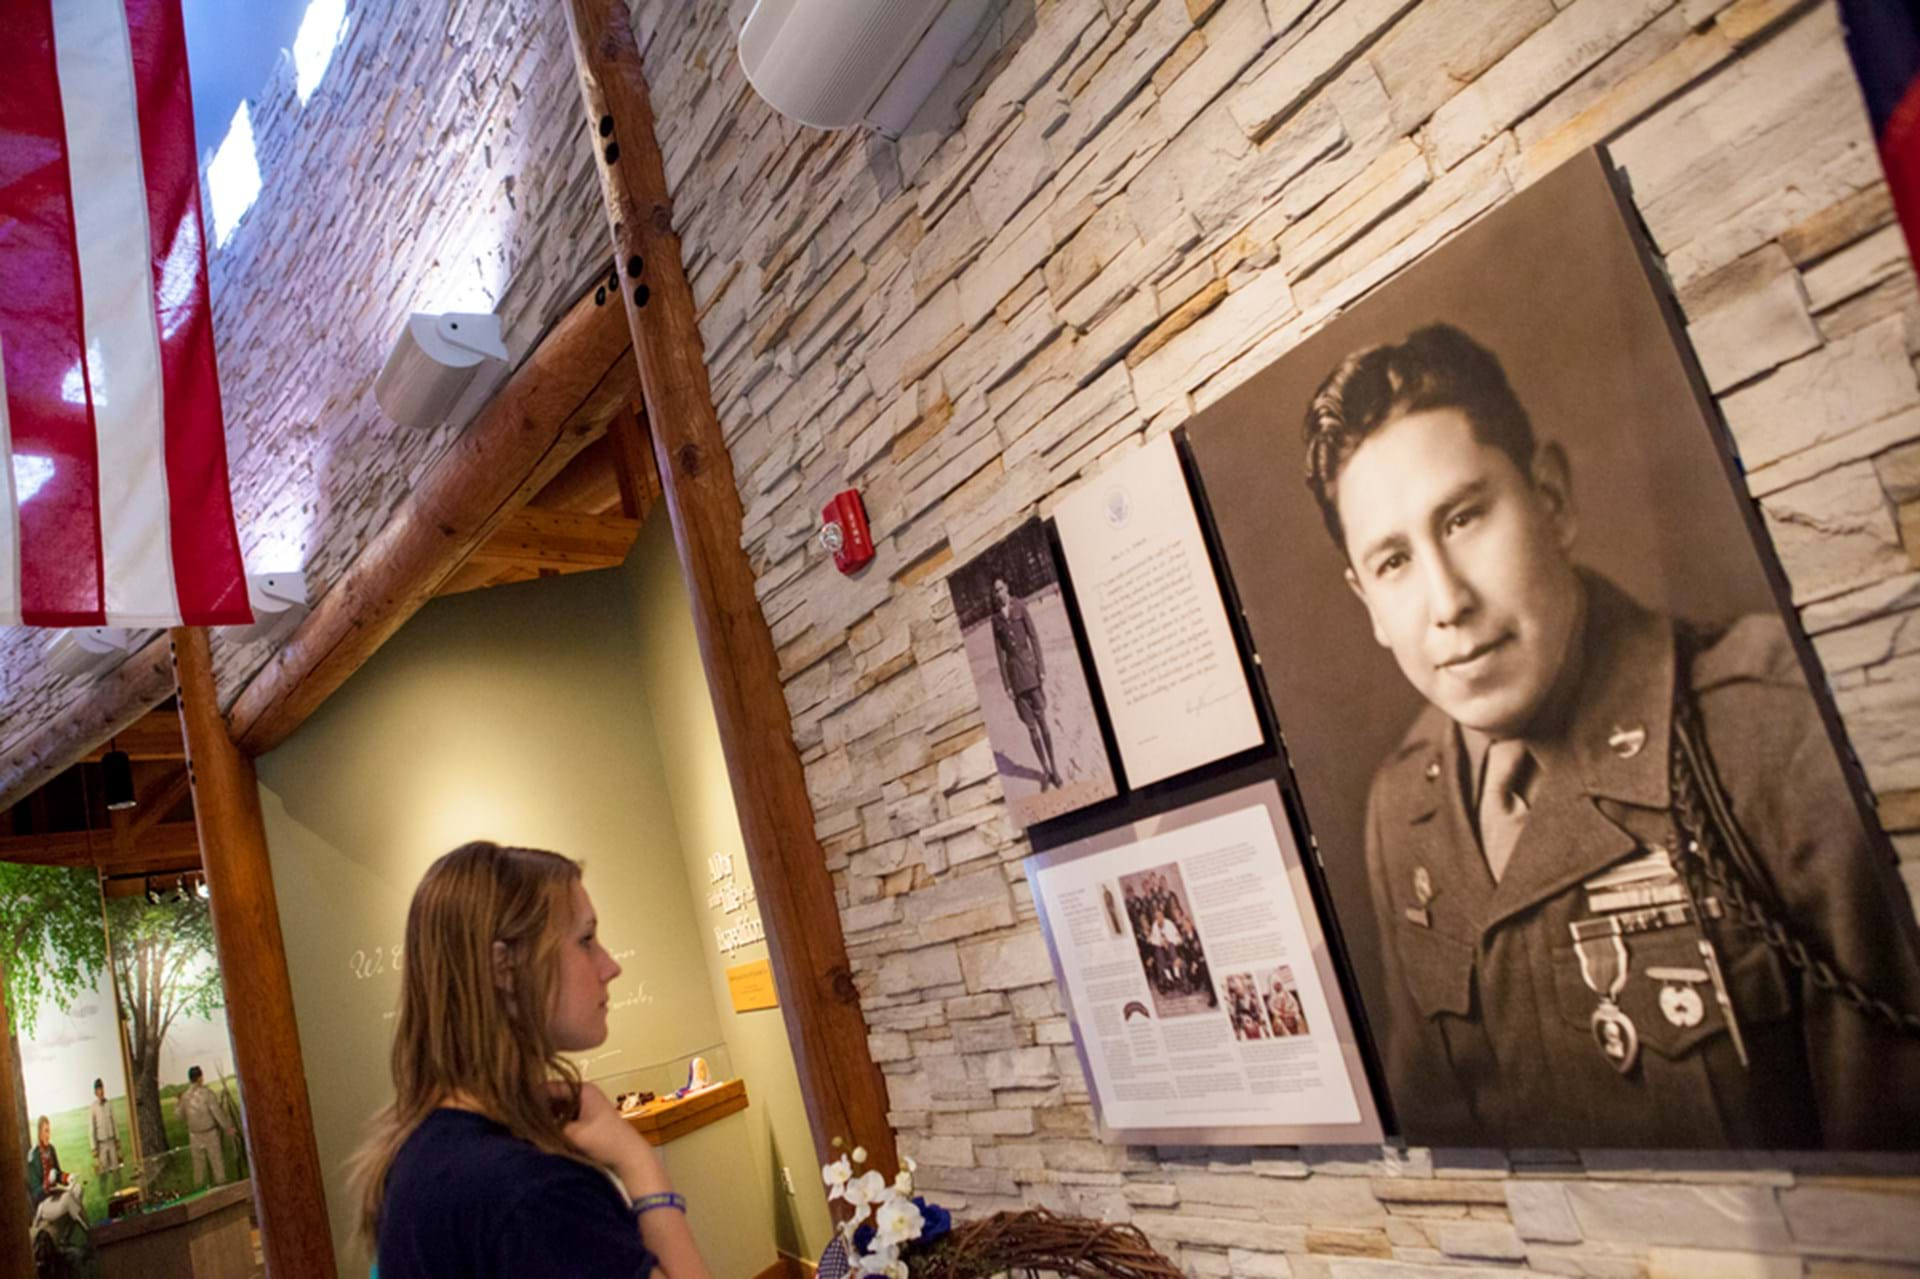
x=431 y=363
x=836 y=63
x=89 y=651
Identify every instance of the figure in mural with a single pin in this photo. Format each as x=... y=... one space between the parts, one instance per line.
x=62 y=1245
x=103 y=1134
x=204 y=1112
x=43 y=1163
x=1578 y=848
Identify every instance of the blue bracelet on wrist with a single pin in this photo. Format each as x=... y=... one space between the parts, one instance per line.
x=666 y=1199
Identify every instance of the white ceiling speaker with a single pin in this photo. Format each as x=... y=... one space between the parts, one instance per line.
x=836 y=63
x=90 y=651
x=431 y=364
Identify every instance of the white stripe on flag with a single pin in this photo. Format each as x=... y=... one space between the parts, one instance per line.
x=9 y=515
x=95 y=60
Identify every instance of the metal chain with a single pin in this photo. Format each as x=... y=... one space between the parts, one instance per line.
x=1694 y=814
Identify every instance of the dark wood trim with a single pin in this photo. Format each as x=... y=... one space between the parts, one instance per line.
x=788 y=1266
x=253 y=966
x=555 y=403
x=16 y=1212
x=845 y=1093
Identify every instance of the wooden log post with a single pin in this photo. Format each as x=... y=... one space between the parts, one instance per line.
x=845 y=1093
x=281 y=1151
x=16 y=1207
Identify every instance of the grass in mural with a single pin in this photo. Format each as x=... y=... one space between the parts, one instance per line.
x=173 y=1171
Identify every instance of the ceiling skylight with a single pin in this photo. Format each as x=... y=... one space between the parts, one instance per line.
x=233 y=179
x=321 y=30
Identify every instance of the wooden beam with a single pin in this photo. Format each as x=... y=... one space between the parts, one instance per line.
x=536 y=539
x=631 y=449
x=556 y=402
x=160 y=797
x=164 y=844
x=586 y=485
x=16 y=1210
x=845 y=1093
x=155 y=735
x=253 y=968
x=112 y=703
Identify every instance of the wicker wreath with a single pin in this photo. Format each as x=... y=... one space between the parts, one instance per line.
x=1036 y=1241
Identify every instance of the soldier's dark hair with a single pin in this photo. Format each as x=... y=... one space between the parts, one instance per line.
x=193 y=1074
x=1437 y=367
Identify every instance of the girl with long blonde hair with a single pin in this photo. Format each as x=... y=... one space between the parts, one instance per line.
x=493 y=1158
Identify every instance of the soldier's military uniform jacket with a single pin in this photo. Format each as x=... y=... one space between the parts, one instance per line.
x=1018 y=647
x=1491 y=1035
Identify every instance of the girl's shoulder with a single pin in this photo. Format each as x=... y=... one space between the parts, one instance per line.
x=458 y=1158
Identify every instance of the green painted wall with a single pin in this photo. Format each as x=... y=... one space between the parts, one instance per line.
x=702 y=799
x=517 y=714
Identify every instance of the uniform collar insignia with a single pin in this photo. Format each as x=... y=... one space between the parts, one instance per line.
x=1616 y=739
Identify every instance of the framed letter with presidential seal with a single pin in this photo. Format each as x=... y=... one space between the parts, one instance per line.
x=1041 y=721
x=1205 y=1004
x=1170 y=673
x=1604 y=874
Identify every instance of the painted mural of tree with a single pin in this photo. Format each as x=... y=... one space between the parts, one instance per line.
x=52 y=949
x=164 y=964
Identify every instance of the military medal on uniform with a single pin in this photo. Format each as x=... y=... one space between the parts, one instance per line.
x=1603 y=966
x=1680 y=1003
x=1423 y=894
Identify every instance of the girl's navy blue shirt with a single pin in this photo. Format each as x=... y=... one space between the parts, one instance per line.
x=466 y=1199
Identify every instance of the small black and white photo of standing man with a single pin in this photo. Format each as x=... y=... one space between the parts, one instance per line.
x=1169 y=941
x=1603 y=874
x=1034 y=692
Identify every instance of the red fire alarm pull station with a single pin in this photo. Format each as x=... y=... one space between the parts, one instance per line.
x=844 y=531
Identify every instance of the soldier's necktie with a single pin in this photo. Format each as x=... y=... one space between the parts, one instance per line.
x=1503 y=802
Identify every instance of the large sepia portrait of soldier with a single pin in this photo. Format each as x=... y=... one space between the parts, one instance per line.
x=1602 y=875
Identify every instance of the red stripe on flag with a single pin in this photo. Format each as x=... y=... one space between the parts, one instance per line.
x=50 y=409
x=209 y=575
x=1900 y=156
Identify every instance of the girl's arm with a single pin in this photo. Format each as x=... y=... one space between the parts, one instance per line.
x=603 y=1135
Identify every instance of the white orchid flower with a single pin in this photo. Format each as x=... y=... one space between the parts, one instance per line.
x=836 y=1176
x=898 y=1221
x=903 y=1184
x=869 y=1188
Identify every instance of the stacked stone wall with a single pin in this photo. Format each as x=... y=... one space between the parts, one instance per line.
x=1114 y=212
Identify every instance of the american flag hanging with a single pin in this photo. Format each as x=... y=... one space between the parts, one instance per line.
x=116 y=508
x=1883 y=36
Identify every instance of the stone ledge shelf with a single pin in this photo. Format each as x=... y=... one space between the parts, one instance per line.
x=669 y=1118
